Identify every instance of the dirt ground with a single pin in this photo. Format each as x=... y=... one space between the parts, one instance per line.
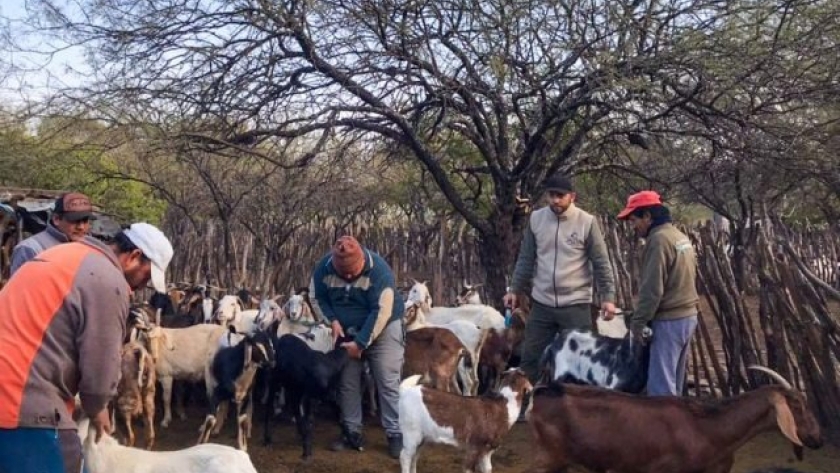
x=283 y=456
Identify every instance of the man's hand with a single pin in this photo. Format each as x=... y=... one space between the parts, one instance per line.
x=353 y=349
x=511 y=300
x=637 y=333
x=102 y=422
x=337 y=331
x=608 y=310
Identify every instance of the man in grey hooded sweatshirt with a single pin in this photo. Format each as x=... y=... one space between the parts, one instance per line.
x=562 y=251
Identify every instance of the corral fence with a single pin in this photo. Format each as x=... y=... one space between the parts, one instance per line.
x=785 y=317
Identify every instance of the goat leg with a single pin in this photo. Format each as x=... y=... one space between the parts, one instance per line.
x=129 y=432
x=306 y=422
x=181 y=402
x=206 y=428
x=149 y=418
x=409 y=455
x=484 y=465
x=250 y=413
x=221 y=417
x=166 y=383
x=268 y=413
x=370 y=390
x=471 y=457
x=241 y=428
x=210 y=421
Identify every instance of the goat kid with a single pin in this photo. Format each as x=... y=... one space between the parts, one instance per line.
x=584 y=357
x=434 y=353
x=469 y=294
x=303 y=373
x=232 y=379
x=136 y=391
x=108 y=456
x=608 y=431
x=499 y=351
x=475 y=424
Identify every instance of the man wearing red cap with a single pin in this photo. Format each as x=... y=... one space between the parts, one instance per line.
x=562 y=253
x=667 y=294
x=70 y=221
x=355 y=290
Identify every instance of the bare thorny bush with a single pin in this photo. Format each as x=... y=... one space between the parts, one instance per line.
x=486 y=98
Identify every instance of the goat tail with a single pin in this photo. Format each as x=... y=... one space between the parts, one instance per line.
x=411 y=382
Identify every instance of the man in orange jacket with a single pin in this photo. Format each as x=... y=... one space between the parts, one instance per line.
x=62 y=322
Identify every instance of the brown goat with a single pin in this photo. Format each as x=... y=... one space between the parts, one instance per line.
x=136 y=391
x=608 y=431
x=497 y=351
x=475 y=424
x=433 y=353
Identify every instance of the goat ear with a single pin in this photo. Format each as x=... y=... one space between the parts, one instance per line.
x=784 y=417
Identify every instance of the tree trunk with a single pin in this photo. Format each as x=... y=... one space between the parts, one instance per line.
x=497 y=249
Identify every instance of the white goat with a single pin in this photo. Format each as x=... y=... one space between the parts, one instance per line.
x=469 y=294
x=229 y=310
x=108 y=456
x=319 y=338
x=484 y=316
x=183 y=354
x=299 y=316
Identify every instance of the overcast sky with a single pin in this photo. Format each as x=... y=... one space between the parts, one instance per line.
x=34 y=73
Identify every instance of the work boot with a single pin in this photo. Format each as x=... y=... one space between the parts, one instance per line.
x=395 y=445
x=348 y=440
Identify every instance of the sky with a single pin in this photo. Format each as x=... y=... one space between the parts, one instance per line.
x=35 y=73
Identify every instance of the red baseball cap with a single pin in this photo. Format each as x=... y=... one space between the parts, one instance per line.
x=639 y=200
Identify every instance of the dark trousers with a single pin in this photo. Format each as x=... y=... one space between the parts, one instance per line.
x=543 y=324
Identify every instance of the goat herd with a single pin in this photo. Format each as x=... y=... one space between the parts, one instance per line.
x=458 y=388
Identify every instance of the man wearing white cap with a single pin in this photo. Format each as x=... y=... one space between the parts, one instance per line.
x=62 y=322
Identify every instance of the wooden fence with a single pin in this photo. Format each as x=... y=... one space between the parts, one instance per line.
x=786 y=320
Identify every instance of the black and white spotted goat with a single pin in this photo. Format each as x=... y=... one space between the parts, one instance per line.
x=584 y=357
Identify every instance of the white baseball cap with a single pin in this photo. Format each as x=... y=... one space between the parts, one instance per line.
x=155 y=246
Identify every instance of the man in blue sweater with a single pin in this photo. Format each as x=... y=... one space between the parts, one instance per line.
x=355 y=290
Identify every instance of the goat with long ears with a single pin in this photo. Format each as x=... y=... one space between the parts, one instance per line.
x=608 y=431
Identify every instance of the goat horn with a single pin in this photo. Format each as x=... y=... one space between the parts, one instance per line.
x=781 y=380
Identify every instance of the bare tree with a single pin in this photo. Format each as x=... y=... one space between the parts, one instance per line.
x=520 y=85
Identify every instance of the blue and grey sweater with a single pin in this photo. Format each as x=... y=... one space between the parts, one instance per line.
x=366 y=304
